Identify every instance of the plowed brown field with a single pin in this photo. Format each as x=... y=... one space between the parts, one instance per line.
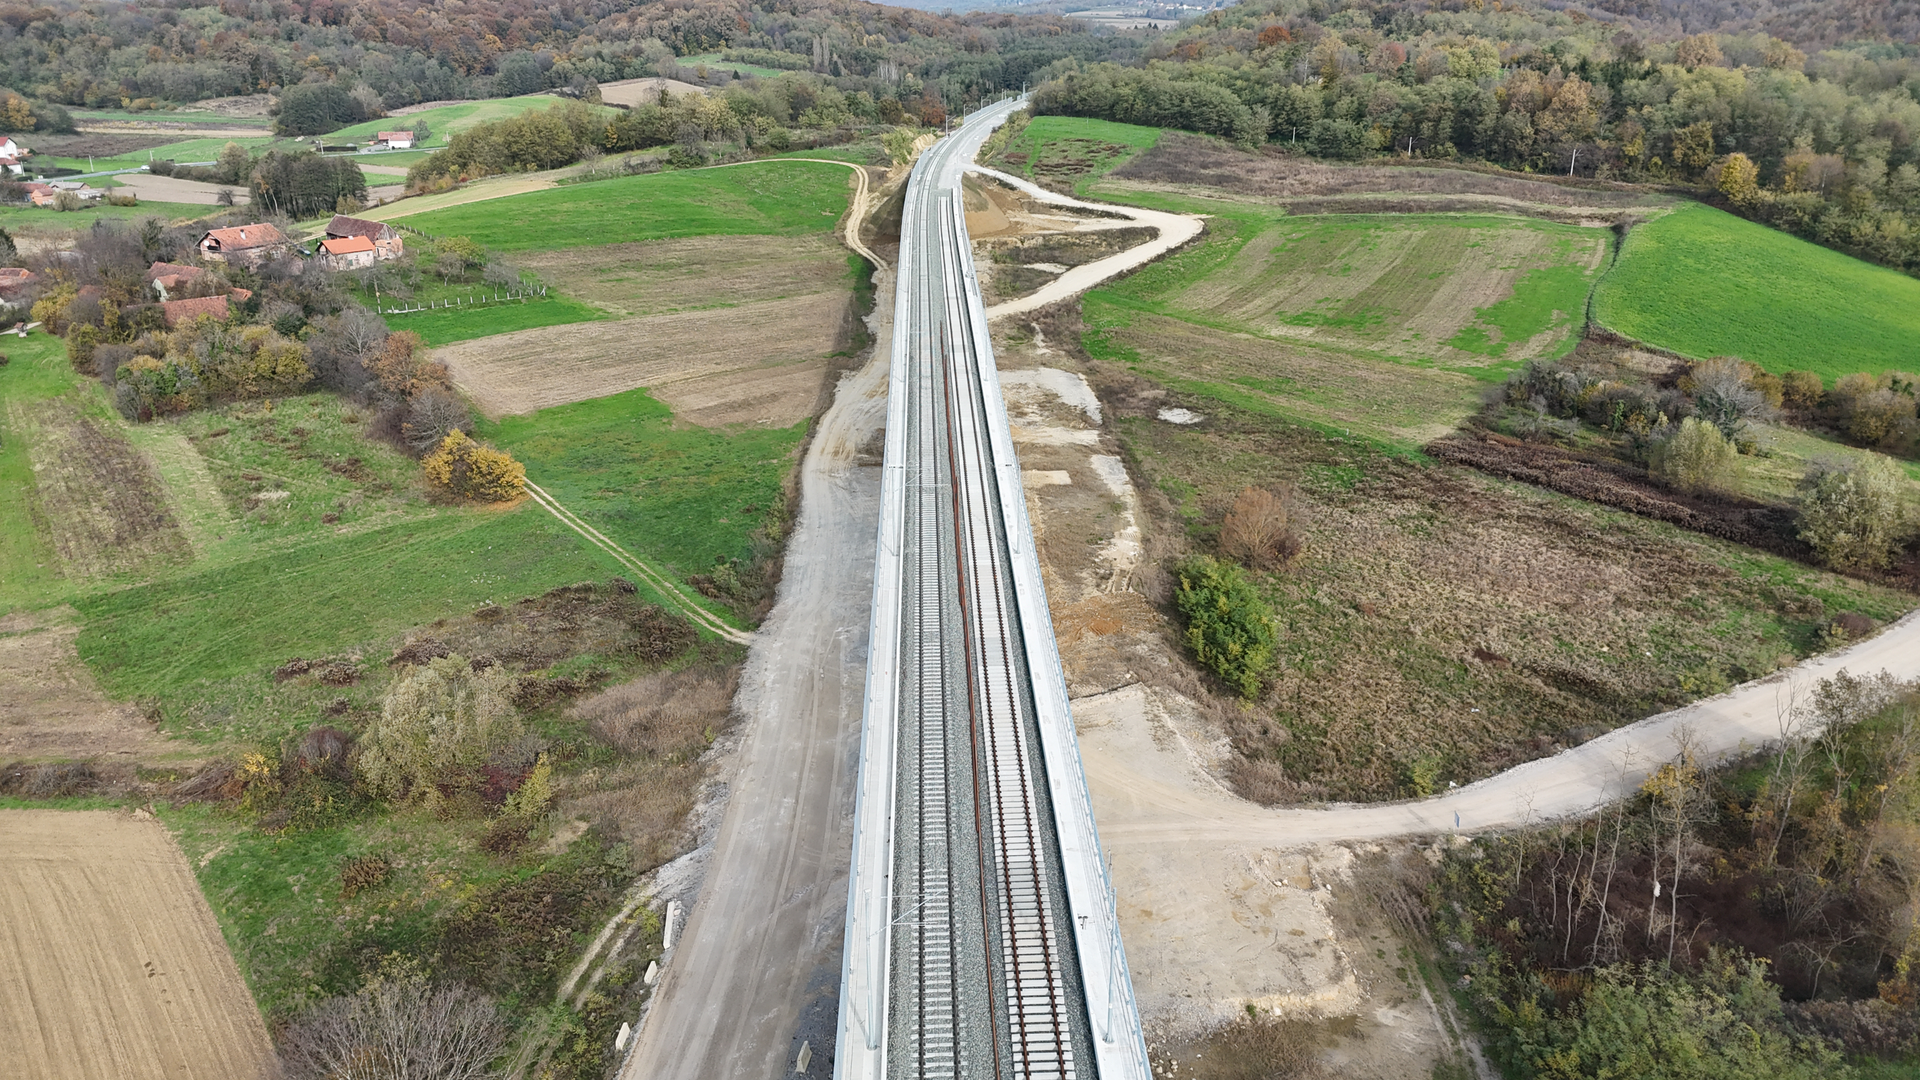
x=536 y=369
x=110 y=962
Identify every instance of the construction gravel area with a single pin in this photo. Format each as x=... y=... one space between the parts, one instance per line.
x=110 y=962
x=530 y=370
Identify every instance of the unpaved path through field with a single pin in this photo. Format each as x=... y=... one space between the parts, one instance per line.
x=1175 y=230
x=1142 y=810
x=110 y=962
x=757 y=970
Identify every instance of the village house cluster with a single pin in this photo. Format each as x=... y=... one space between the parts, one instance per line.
x=184 y=292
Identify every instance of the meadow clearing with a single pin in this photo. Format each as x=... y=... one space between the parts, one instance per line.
x=1702 y=282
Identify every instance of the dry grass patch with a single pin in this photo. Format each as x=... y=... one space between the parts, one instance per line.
x=530 y=370
x=97 y=499
x=1400 y=403
x=1441 y=625
x=50 y=708
x=1182 y=162
x=114 y=965
x=652 y=277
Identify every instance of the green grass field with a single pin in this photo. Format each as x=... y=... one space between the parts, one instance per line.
x=447 y=326
x=686 y=496
x=37 y=371
x=41 y=219
x=178 y=640
x=713 y=60
x=776 y=198
x=1705 y=283
x=447 y=119
x=1070 y=147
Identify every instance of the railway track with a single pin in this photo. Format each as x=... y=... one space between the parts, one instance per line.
x=981 y=939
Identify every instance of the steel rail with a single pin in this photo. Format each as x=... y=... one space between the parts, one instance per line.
x=982 y=939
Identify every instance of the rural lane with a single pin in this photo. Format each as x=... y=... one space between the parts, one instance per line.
x=1139 y=810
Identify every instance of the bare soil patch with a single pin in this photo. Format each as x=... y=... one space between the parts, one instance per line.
x=50 y=709
x=175 y=190
x=110 y=961
x=653 y=277
x=535 y=369
x=644 y=91
x=1188 y=160
x=99 y=500
x=98 y=145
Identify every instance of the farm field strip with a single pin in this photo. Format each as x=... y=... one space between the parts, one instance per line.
x=113 y=965
x=535 y=369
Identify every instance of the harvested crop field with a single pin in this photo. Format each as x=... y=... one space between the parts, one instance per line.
x=112 y=965
x=50 y=707
x=653 y=277
x=1457 y=291
x=1184 y=163
x=536 y=369
x=98 y=499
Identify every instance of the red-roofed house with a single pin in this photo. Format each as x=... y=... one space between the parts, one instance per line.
x=15 y=282
x=396 y=140
x=183 y=311
x=346 y=253
x=169 y=278
x=248 y=245
x=386 y=238
x=11 y=164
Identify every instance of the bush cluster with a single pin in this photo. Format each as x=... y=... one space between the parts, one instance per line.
x=1230 y=624
x=469 y=470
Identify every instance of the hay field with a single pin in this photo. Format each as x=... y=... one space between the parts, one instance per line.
x=652 y=277
x=110 y=962
x=1456 y=291
x=1391 y=326
x=1705 y=283
x=536 y=369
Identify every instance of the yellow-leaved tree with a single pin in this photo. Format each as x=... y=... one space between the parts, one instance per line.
x=470 y=470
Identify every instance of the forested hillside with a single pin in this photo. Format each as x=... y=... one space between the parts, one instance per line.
x=1820 y=143
x=105 y=54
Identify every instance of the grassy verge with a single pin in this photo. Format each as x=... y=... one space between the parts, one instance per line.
x=1705 y=283
x=774 y=197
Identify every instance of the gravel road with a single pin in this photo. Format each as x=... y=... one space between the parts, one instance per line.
x=757 y=970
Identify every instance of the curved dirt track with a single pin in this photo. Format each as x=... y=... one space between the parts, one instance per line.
x=1175 y=230
x=1140 y=810
x=110 y=962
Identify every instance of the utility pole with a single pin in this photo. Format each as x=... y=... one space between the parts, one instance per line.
x=1576 y=159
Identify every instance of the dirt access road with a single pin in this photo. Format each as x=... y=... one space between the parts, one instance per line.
x=110 y=962
x=757 y=970
x=1141 y=810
